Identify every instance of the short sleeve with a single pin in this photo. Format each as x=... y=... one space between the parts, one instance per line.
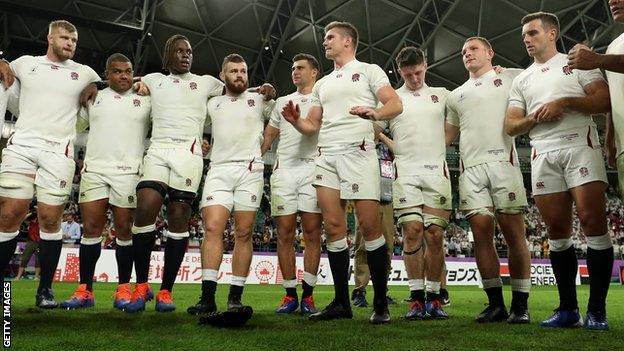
x=516 y=98
x=82 y=122
x=215 y=86
x=587 y=77
x=315 y=99
x=377 y=78
x=150 y=80
x=92 y=75
x=269 y=106
x=13 y=95
x=276 y=117
x=452 y=117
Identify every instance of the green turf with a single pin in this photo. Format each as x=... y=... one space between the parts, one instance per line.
x=103 y=328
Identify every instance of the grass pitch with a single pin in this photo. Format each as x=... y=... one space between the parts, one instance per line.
x=103 y=328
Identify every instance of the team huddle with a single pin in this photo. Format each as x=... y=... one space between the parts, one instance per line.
x=326 y=156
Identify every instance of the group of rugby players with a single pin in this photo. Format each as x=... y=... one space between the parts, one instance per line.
x=326 y=156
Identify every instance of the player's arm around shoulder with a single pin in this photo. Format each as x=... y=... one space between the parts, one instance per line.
x=451 y=121
x=596 y=99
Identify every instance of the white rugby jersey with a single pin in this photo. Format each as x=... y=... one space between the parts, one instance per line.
x=3 y=106
x=179 y=108
x=354 y=84
x=478 y=108
x=418 y=132
x=616 y=90
x=292 y=144
x=545 y=82
x=237 y=126
x=118 y=128
x=49 y=102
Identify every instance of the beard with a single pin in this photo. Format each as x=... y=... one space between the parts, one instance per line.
x=61 y=54
x=236 y=88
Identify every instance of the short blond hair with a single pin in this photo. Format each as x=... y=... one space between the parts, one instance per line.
x=61 y=24
x=348 y=30
x=483 y=41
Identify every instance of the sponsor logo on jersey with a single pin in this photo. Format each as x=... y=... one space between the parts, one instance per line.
x=54 y=67
x=62 y=184
x=540 y=185
x=130 y=199
x=435 y=99
x=545 y=69
x=339 y=75
x=176 y=80
x=442 y=200
x=188 y=182
x=355 y=188
x=74 y=75
x=280 y=207
x=478 y=84
x=209 y=198
x=355 y=77
x=566 y=70
x=319 y=177
x=511 y=196
x=193 y=85
x=402 y=200
x=498 y=82
x=117 y=97
x=254 y=198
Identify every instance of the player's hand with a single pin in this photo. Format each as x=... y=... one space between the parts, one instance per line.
x=499 y=69
x=550 y=112
x=205 y=146
x=364 y=112
x=291 y=112
x=611 y=155
x=582 y=57
x=88 y=95
x=6 y=75
x=141 y=88
x=266 y=90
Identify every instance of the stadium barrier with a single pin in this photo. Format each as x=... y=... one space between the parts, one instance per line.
x=265 y=269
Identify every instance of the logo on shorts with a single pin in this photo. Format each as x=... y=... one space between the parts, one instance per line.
x=251 y=103
x=435 y=99
x=442 y=200
x=540 y=185
x=254 y=198
x=193 y=85
x=74 y=75
x=130 y=199
x=355 y=188
x=188 y=182
x=319 y=177
x=280 y=207
x=566 y=70
x=583 y=171
x=209 y=198
x=498 y=82
x=62 y=184
x=136 y=102
x=512 y=196
x=83 y=194
x=355 y=77
x=402 y=200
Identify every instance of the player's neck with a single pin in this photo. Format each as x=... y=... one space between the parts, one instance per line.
x=546 y=55
x=305 y=89
x=232 y=94
x=483 y=70
x=343 y=59
x=52 y=56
